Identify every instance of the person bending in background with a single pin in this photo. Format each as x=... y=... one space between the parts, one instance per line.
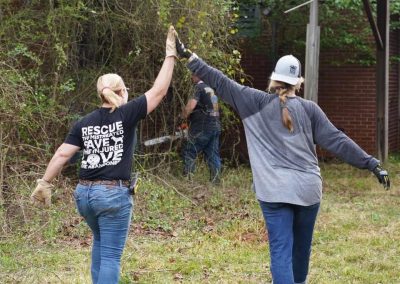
x=281 y=132
x=202 y=111
x=106 y=139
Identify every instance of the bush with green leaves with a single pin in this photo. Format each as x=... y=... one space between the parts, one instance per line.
x=52 y=52
x=344 y=27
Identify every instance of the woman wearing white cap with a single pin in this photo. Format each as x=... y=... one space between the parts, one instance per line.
x=281 y=132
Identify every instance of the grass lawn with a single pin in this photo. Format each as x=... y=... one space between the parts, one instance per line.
x=191 y=232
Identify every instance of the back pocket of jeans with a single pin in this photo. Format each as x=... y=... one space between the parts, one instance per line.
x=106 y=200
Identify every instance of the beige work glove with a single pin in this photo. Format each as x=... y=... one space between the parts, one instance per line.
x=170 y=46
x=42 y=193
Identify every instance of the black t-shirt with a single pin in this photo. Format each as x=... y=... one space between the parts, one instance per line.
x=205 y=115
x=107 y=140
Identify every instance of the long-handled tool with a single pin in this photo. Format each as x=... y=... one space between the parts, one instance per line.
x=181 y=133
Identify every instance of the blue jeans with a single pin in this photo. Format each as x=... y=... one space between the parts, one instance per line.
x=206 y=142
x=108 y=211
x=290 y=229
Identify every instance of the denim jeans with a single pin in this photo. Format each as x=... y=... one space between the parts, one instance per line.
x=290 y=229
x=107 y=210
x=206 y=141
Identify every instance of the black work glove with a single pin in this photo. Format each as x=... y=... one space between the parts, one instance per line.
x=183 y=52
x=382 y=176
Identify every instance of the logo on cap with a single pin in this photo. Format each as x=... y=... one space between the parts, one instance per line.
x=293 y=69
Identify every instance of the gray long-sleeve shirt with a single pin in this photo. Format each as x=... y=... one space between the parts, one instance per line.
x=284 y=165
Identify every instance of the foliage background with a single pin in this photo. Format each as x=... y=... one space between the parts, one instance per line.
x=344 y=27
x=51 y=53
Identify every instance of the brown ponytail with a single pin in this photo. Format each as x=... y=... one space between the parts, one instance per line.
x=286 y=118
x=282 y=89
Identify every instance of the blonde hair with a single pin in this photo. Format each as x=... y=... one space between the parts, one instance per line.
x=287 y=89
x=107 y=86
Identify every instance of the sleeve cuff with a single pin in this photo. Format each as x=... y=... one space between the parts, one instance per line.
x=372 y=164
x=193 y=57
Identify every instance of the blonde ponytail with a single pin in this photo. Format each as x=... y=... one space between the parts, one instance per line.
x=111 y=97
x=107 y=86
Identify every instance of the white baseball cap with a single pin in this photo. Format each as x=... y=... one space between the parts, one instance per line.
x=287 y=70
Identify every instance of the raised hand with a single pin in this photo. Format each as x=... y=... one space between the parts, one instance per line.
x=170 y=45
x=183 y=52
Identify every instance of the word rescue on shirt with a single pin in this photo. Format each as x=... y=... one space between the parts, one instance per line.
x=103 y=145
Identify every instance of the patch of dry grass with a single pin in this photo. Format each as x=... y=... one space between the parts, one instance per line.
x=193 y=232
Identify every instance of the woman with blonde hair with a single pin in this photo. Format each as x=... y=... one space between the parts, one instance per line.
x=281 y=132
x=106 y=137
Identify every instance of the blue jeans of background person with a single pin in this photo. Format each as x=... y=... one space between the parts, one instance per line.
x=290 y=229
x=206 y=141
x=107 y=210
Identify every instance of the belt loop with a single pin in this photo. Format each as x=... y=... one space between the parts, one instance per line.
x=120 y=182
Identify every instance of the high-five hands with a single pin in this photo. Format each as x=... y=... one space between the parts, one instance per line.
x=382 y=176
x=170 y=45
x=183 y=52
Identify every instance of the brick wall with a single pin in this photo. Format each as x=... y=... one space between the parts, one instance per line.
x=258 y=67
x=347 y=96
